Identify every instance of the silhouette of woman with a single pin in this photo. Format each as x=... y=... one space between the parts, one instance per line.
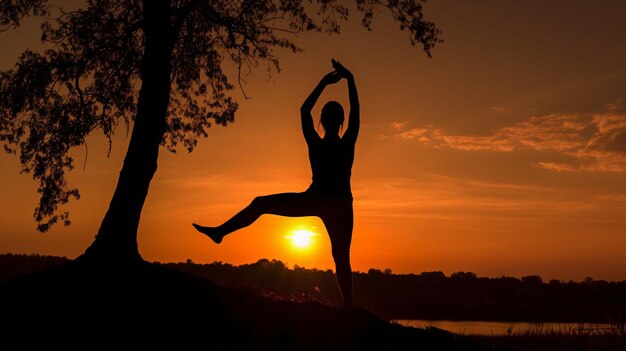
x=329 y=196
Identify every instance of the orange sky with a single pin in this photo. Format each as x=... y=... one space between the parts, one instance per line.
x=505 y=154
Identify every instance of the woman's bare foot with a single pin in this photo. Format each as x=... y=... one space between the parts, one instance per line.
x=210 y=232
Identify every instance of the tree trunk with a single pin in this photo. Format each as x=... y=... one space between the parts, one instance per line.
x=116 y=241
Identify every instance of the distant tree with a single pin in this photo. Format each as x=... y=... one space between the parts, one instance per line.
x=374 y=272
x=463 y=275
x=554 y=282
x=532 y=280
x=509 y=282
x=155 y=66
x=433 y=275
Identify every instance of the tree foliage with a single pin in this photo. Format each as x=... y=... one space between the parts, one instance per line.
x=89 y=76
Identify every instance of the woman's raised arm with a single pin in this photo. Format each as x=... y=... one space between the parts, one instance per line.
x=308 y=128
x=354 y=122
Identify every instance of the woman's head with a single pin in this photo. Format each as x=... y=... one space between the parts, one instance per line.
x=332 y=117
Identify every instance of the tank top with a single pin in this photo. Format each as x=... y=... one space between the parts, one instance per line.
x=331 y=165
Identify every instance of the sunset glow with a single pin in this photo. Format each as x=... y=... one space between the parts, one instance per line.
x=503 y=154
x=301 y=238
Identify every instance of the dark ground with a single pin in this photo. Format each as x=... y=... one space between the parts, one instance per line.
x=151 y=307
x=428 y=295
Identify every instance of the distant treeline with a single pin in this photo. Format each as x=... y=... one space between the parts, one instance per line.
x=429 y=295
x=432 y=295
x=12 y=265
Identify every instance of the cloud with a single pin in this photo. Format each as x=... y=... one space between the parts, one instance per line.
x=413 y=133
x=399 y=125
x=434 y=196
x=594 y=143
x=559 y=167
x=612 y=197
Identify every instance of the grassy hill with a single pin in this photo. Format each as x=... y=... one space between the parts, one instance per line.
x=150 y=307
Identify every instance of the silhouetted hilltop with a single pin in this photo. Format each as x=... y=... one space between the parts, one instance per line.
x=429 y=295
x=12 y=265
x=150 y=307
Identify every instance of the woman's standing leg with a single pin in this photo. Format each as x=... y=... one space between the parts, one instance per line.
x=286 y=204
x=339 y=226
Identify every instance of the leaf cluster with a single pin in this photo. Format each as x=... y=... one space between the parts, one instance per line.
x=88 y=77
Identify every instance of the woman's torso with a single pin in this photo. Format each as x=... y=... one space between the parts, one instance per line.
x=331 y=165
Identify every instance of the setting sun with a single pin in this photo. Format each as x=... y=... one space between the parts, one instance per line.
x=301 y=238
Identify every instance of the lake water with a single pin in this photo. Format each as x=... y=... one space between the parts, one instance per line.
x=494 y=328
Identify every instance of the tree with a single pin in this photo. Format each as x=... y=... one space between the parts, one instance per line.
x=533 y=280
x=464 y=275
x=155 y=65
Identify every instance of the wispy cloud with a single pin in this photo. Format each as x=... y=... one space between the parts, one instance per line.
x=399 y=125
x=612 y=197
x=594 y=143
x=444 y=197
x=554 y=166
x=414 y=133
